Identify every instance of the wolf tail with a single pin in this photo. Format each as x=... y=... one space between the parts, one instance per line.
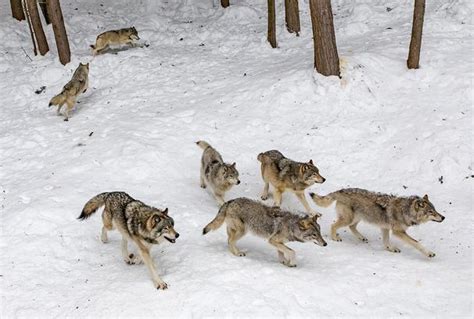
x=322 y=201
x=58 y=99
x=203 y=144
x=218 y=220
x=92 y=205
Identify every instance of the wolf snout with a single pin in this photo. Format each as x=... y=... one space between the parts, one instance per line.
x=325 y=244
x=323 y=180
x=177 y=235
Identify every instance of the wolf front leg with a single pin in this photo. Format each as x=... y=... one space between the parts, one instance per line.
x=145 y=253
x=289 y=255
x=305 y=203
x=219 y=198
x=265 y=191
x=386 y=241
x=406 y=238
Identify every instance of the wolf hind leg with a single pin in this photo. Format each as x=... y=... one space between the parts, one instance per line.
x=345 y=217
x=202 y=179
x=386 y=241
x=129 y=258
x=108 y=225
x=356 y=232
x=234 y=234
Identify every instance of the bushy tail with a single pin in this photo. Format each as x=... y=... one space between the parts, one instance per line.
x=58 y=99
x=92 y=205
x=203 y=144
x=218 y=220
x=322 y=201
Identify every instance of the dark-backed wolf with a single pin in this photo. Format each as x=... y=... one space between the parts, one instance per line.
x=388 y=212
x=286 y=174
x=142 y=224
x=77 y=85
x=126 y=36
x=215 y=173
x=272 y=223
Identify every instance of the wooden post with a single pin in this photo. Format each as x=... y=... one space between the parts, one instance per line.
x=225 y=3
x=62 y=43
x=42 y=4
x=17 y=10
x=326 y=59
x=37 y=27
x=292 y=16
x=271 y=34
x=413 y=61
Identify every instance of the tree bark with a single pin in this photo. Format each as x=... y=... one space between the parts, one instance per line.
x=62 y=43
x=326 y=59
x=37 y=27
x=271 y=34
x=225 y=3
x=17 y=10
x=292 y=16
x=42 y=4
x=413 y=61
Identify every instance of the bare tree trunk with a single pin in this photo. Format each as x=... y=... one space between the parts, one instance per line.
x=292 y=16
x=225 y=3
x=62 y=43
x=37 y=26
x=42 y=4
x=271 y=34
x=413 y=61
x=17 y=10
x=326 y=59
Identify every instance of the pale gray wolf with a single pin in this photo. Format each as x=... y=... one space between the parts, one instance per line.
x=218 y=175
x=388 y=212
x=77 y=85
x=272 y=223
x=142 y=224
x=286 y=174
x=126 y=36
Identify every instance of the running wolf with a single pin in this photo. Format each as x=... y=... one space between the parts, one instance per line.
x=214 y=172
x=388 y=212
x=272 y=223
x=137 y=222
x=115 y=37
x=286 y=174
x=77 y=85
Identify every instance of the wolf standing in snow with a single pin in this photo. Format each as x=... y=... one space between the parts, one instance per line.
x=215 y=173
x=77 y=85
x=137 y=222
x=286 y=174
x=272 y=223
x=388 y=212
x=126 y=36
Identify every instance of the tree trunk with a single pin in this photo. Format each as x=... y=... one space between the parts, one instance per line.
x=42 y=4
x=37 y=27
x=225 y=3
x=271 y=34
x=326 y=59
x=17 y=10
x=413 y=61
x=292 y=16
x=62 y=43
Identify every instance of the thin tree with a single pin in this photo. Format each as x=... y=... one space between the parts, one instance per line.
x=326 y=59
x=271 y=34
x=413 y=61
x=17 y=10
x=225 y=3
x=62 y=43
x=292 y=16
x=35 y=23
x=42 y=4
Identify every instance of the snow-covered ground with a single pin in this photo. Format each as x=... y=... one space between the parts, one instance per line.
x=210 y=74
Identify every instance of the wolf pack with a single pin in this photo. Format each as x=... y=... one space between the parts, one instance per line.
x=145 y=225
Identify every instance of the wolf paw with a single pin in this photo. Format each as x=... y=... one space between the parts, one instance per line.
x=393 y=249
x=364 y=240
x=240 y=254
x=264 y=197
x=161 y=285
x=288 y=263
x=336 y=238
x=431 y=254
x=203 y=185
x=133 y=259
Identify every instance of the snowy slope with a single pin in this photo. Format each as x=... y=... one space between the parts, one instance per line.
x=209 y=74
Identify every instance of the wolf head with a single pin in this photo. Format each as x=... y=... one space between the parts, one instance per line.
x=133 y=34
x=230 y=174
x=422 y=211
x=309 y=230
x=161 y=226
x=310 y=173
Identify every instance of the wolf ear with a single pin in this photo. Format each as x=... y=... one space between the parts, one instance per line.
x=165 y=211
x=425 y=197
x=305 y=223
x=233 y=164
x=152 y=221
x=311 y=162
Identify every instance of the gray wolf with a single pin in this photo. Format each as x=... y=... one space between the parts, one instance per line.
x=388 y=212
x=286 y=174
x=77 y=85
x=272 y=223
x=142 y=224
x=125 y=36
x=218 y=175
